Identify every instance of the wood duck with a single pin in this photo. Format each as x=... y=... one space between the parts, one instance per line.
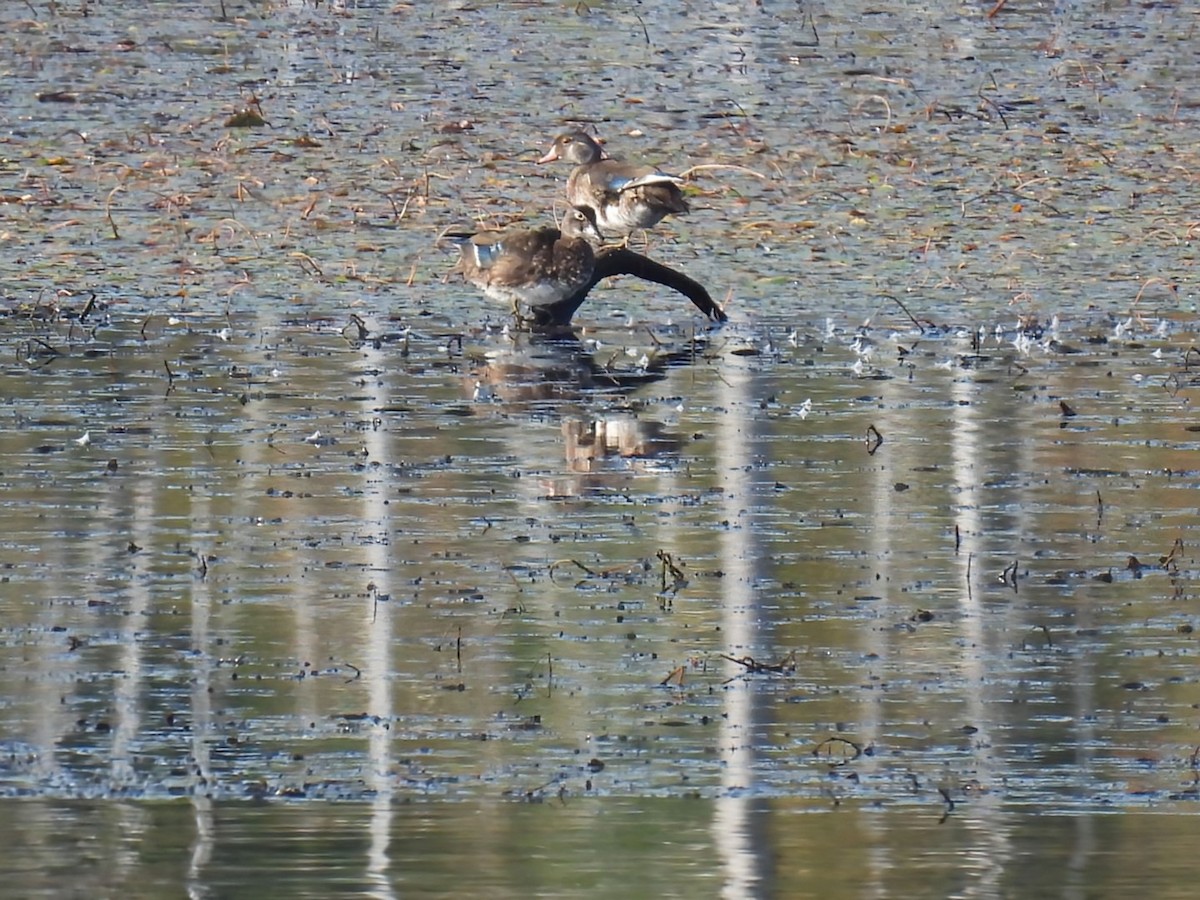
x=529 y=267
x=623 y=196
x=550 y=271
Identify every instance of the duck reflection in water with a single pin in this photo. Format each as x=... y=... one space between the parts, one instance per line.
x=590 y=443
x=525 y=371
x=561 y=378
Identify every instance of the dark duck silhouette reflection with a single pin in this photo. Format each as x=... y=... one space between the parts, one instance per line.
x=604 y=438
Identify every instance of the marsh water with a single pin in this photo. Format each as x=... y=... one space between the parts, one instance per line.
x=317 y=578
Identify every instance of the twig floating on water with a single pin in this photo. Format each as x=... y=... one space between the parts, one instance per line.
x=569 y=562
x=830 y=743
x=874 y=440
x=949 y=804
x=1009 y=575
x=679 y=580
x=750 y=664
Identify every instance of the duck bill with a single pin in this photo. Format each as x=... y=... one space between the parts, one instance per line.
x=551 y=155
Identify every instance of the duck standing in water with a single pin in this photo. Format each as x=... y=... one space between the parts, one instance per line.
x=623 y=196
x=529 y=267
x=545 y=274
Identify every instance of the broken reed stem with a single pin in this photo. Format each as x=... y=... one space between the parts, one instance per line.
x=949 y=800
x=108 y=212
x=675 y=675
x=407 y=200
x=645 y=31
x=911 y=317
x=686 y=173
x=234 y=225
x=1154 y=279
x=308 y=264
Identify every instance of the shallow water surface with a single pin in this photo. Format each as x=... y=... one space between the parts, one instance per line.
x=595 y=848
x=885 y=587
